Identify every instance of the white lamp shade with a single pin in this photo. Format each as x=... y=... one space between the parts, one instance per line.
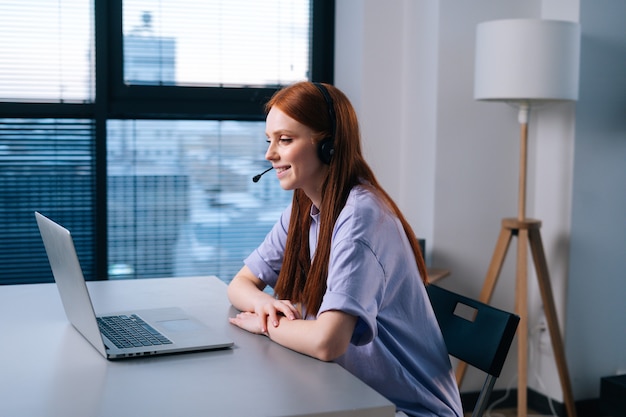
x=527 y=60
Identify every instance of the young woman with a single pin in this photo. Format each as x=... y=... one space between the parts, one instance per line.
x=344 y=264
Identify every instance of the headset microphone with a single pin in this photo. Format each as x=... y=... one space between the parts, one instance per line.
x=257 y=177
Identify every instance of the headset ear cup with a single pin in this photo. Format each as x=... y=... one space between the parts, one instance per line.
x=325 y=150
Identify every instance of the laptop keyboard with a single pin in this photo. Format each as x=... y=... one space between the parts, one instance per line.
x=127 y=331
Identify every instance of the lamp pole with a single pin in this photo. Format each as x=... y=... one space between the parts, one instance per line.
x=528 y=235
x=522 y=117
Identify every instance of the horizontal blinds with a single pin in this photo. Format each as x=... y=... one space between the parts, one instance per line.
x=216 y=43
x=181 y=201
x=46 y=165
x=46 y=52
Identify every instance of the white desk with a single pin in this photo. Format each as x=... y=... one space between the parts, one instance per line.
x=48 y=369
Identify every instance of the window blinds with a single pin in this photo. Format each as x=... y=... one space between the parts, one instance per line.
x=181 y=201
x=45 y=165
x=46 y=51
x=216 y=43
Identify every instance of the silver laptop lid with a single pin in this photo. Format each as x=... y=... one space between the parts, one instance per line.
x=70 y=281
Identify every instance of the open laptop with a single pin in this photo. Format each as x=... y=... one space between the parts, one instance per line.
x=163 y=330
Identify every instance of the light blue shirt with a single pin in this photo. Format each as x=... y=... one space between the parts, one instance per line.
x=396 y=347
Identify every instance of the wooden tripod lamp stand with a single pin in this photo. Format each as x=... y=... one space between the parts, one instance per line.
x=526 y=62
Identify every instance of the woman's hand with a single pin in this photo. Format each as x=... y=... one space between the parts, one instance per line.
x=245 y=292
x=248 y=321
x=256 y=321
x=269 y=311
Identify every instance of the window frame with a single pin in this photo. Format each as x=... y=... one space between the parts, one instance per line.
x=115 y=100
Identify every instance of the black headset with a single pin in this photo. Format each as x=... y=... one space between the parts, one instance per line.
x=325 y=147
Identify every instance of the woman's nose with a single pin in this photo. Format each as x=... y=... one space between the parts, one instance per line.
x=271 y=154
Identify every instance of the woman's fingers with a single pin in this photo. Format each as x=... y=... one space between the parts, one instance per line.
x=269 y=312
x=289 y=310
x=247 y=321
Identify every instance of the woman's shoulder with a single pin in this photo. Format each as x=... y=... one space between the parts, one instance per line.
x=365 y=218
x=364 y=205
x=365 y=197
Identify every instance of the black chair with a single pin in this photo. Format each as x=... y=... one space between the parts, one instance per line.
x=475 y=333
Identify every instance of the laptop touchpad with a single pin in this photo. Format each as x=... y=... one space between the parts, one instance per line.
x=180 y=325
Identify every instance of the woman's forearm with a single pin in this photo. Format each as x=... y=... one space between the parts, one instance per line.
x=244 y=294
x=324 y=338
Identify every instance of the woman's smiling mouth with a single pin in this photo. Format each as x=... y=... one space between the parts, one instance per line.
x=281 y=170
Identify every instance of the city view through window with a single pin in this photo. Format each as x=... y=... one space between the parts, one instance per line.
x=180 y=199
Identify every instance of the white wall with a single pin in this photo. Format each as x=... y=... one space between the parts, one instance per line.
x=386 y=62
x=450 y=162
x=596 y=330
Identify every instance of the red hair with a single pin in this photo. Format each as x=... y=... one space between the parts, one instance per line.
x=301 y=280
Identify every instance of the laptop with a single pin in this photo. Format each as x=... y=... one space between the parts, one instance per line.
x=161 y=331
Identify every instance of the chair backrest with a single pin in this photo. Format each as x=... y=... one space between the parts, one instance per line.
x=475 y=333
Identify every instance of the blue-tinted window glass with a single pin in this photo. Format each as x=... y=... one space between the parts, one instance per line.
x=46 y=165
x=181 y=201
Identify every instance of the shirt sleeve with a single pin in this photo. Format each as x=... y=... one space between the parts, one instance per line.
x=355 y=286
x=266 y=260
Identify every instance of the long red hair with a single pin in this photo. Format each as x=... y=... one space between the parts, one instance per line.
x=301 y=280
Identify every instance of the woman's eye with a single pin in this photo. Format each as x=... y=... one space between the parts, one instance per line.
x=283 y=140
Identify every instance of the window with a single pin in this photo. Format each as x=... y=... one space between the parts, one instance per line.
x=46 y=53
x=139 y=127
x=46 y=165
x=222 y=43
x=180 y=197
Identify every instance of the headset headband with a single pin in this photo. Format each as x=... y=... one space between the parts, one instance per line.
x=331 y=108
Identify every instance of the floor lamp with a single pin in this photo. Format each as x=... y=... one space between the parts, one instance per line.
x=526 y=62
